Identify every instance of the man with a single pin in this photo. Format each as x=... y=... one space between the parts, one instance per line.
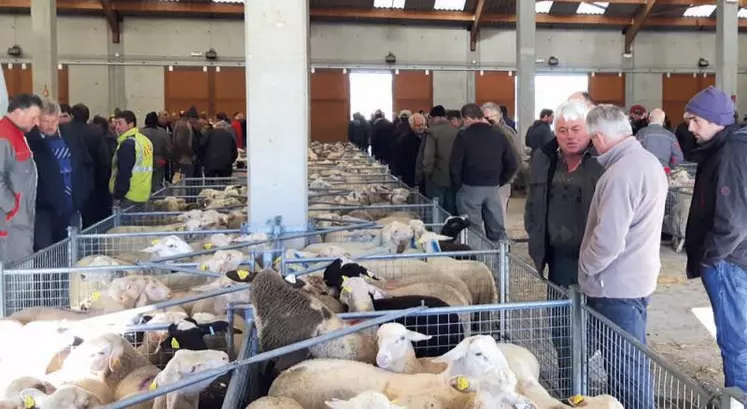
x=359 y=131
x=182 y=140
x=159 y=137
x=563 y=177
x=18 y=178
x=685 y=138
x=455 y=118
x=132 y=168
x=619 y=259
x=638 y=118
x=407 y=149
x=716 y=235
x=98 y=205
x=494 y=115
x=582 y=96
x=481 y=162
x=507 y=119
x=220 y=150
x=539 y=133
x=65 y=171
x=436 y=154
x=66 y=115
x=660 y=141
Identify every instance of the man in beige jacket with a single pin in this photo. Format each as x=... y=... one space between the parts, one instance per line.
x=493 y=113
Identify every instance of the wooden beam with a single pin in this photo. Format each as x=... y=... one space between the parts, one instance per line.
x=113 y=19
x=638 y=22
x=476 y=25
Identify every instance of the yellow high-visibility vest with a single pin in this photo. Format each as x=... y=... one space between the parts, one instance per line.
x=142 y=172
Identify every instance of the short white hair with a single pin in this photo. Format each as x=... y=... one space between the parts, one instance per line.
x=50 y=107
x=609 y=120
x=412 y=118
x=571 y=110
x=492 y=106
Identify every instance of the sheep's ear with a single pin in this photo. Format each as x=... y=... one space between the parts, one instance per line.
x=145 y=319
x=32 y=398
x=455 y=354
x=77 y=341
x=336 y=404
x=416 y=336
x=378 y=294
x=332 y=272
x=240 y=276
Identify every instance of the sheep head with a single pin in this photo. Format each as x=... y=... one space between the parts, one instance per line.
x=186 y=363
x=224 y=261
x=395 y=346
x=365 y=400
x=429 y=242
x=99 y=355
x=599 y=401
x=396 y=236
x=67 y=397
x=477 y=356
x=169 y=246
x=356 y=294
x=139 y=290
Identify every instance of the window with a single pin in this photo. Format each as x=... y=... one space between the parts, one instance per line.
x=450 y=5
x=700 y=11
x=389 y=4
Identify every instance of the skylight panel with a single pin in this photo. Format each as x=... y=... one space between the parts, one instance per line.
x=598 y=8
x=742 y=13
x=542 y=7
x=389 y=4
x=700 y=11
x=450 y=5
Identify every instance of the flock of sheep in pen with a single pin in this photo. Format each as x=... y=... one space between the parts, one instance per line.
x=76 y=358
x=678 y=206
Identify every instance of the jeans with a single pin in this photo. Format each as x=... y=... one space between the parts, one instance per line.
x=628 y=369
x=563 y=272
x=726 y=285
x=481 y=204
x=446 y=196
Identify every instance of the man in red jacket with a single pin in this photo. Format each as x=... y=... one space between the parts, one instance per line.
x=18 y=178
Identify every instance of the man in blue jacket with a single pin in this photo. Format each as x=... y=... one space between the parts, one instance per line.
x=716 y=235
x=65 y=171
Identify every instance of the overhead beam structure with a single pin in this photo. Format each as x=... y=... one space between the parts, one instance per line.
x=475 y=30
x=113 y=19
x=640 y=19
x=203 y=9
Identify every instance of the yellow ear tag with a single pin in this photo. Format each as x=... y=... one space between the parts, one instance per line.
x=394 y=401
x=95 y=296
x=576 y=400
x=243 y=274
x=174 y=343
x=462 y=383
x=28 y=402
x=345 y=280
x=207 y=246
x=203 y=267
x=115 y=363
x=153 y=386
x=154 y=242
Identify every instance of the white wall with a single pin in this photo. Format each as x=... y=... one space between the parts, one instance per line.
x=149 y=44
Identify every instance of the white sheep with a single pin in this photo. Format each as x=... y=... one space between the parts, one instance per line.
x=365 y=400
x=84 y=283
x=186 y=363
x=271 y=402
x=67 y=397
x=396 y=353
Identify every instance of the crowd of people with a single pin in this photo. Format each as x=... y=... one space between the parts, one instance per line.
x=597 y=189
x=60 y=168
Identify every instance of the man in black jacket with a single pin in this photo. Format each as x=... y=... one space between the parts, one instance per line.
x=220 y=150
x=65 y=181
x=716 y=235
x=540 y=134
x=481 y=162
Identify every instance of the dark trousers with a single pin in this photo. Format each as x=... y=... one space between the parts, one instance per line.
x=563 y=271
x=218 y=173
x=726 y=285
x=628 y=369
x=446 y=196
x=49 y=228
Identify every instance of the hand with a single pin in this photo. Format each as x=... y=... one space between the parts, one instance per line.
x=116 y=204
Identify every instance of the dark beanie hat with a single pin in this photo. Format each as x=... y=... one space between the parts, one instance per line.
x=713 y=105
x=438 y=110
x=192 y=113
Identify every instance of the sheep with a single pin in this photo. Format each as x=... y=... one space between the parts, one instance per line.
x=14 y=389
x=396 y=353
x=476 y=275
x=313 y=382
x=284 y=315
x=445 y=327
x=186 y=363
x=68 y=397
x=219 y=304
x=128 y=292
x=365 y=400
x=83 y=283
x=269 y=402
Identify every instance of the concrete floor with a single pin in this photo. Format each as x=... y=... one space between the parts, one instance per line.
x=674 y=332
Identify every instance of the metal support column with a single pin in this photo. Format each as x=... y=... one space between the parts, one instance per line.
x=628 y=63
x=117 y=90
x=525 y=64
x=727 y=46
x=44 y=47
x=277 y=61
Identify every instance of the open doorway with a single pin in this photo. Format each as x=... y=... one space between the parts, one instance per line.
x=552 y=89
x=369 y=91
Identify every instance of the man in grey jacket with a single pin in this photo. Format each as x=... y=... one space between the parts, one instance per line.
x=436 y=154
x=660 y=141
x=619 y=260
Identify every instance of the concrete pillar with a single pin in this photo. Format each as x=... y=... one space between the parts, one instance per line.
x=628 y=64
x=525 y=65
x=471 y=56
x=44 y=47
x=117 y=87
x=727 y=46
x=277 y=83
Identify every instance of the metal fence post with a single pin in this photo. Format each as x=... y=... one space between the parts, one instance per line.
x=72 y=251
x=503 y=285
x=117 y=216
x=728 y=398
x=2 y=289
x=579 y=363
x=436 y=217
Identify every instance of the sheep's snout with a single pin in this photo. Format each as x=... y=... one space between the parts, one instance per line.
x=383 y=359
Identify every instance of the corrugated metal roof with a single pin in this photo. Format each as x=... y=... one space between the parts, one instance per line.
x=353 y=4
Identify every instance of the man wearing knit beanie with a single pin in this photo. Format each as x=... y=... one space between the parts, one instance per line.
x=716 y=241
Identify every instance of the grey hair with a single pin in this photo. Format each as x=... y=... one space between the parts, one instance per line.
x=609 y=120
x=412 y=117
x=572 y=110
x=492 y=106
x=50 y=107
